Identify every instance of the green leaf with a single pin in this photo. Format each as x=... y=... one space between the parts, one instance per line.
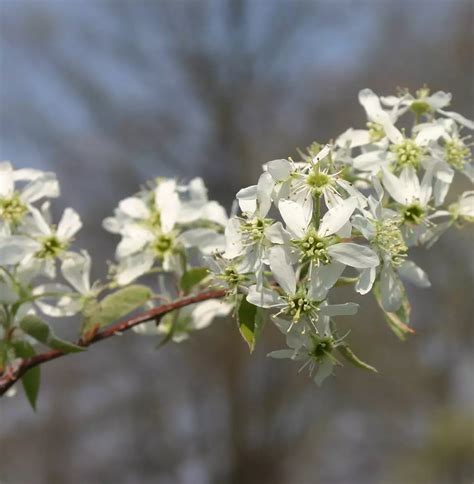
x=116 y=305
x=250 y=320
x=40 y=331
x=4 y=346
x=32 y=378
x=398 y=321
x=349 y=355
x=193 y=277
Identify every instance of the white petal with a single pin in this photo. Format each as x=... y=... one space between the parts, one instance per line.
x=197 y=190
x=264 y=298
x=279 y=169
x=281 y=354
x=247 y=198
x=15 y=248
x=395 y=188
x=206 y=240
x=322 y=154
x=324 y=371
x=346 y=309
x=69 y=224
x=264 y=193
x=429 y=133
x=206 y=311
x=276 y=234
x=167 y=201
x=294 y=216
x=391 y=289
x=366 y=280
x=414 y=274
x=46 y=186
x=282 y=269
x=233 y=237
x=61 y=304
x=466 y=204
x=214 y=212
x=134 y=239
x=323 y=278
x=354 y=255
x=41 y=227
x=353 y=138
x=335 y=218
x=134 y=207
x=133 y=267
x=458 y=118
x=6 y=180
x=439 y=99
x=371 y=161
x=76 y=270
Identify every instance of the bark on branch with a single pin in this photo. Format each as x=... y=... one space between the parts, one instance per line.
x=14 y=372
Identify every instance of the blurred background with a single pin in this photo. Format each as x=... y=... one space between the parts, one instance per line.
x=111 y=93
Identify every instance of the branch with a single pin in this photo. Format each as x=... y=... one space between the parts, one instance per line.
x=15 y=371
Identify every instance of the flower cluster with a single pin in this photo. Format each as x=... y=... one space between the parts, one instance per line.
x=343 y=213
x=348 y=213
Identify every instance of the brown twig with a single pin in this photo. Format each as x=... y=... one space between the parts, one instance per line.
x=14 y=372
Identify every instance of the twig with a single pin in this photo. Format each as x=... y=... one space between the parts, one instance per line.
x=15 y=371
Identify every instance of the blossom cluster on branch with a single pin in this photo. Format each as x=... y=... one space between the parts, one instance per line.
x=343 y=213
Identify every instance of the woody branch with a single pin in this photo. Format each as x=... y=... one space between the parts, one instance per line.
x=14 y=372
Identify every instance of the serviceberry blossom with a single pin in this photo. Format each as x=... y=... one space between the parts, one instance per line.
x=347 y=212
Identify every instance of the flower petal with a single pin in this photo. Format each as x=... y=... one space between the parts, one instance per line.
x=354 y=255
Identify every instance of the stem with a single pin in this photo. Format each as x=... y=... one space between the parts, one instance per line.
x=15 y=371
x=317 y=212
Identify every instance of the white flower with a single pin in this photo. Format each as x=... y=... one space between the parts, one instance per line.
x=14 y=202
x=158 y=227
x=190 y=318
x=327 y=257
x=426 y=103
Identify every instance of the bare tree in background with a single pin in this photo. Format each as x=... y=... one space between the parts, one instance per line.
x=215 y=89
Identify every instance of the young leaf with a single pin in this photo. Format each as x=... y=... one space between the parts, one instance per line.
x=193 y=277
x=250 y=320
x=40 y=331
x=32 y=378
x=3 y=354
x=349 y=355
x=116 y=305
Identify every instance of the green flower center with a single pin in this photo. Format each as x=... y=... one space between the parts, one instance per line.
x=162 y=245
x=413 y=214
x=298 y=305
x=13 y=209
x=376 y=131
x=232 y=277
x=457 y=154
x=322 y=346
x=408 y=154
x=51 y=248
x=318 y=181
x=254 y=229
x=389 y=239
x=314 y=248
x=420 y=107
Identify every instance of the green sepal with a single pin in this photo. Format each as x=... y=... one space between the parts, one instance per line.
x=32 y=378
x=349 y=355
x=40 y=331
x=250 y=321
x=193 y=277
x=115 y=306
x=398 y=321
